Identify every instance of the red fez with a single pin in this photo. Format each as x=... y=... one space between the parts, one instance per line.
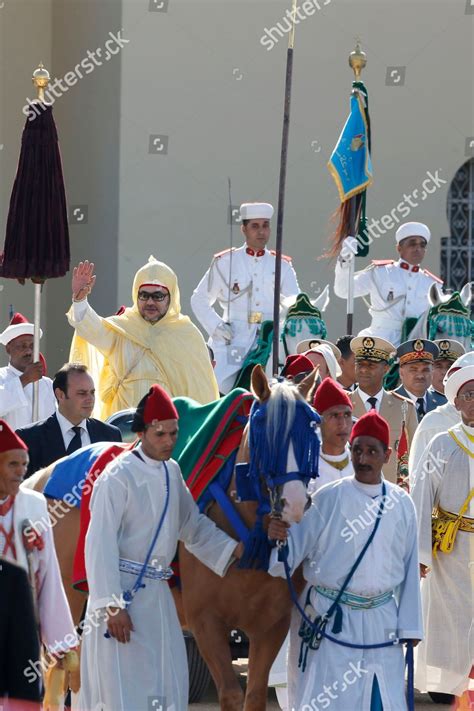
x=296 y=364
x=18 y=318
x=329 y=394
x=154 y=407
x=9 y=439
x=372 y=425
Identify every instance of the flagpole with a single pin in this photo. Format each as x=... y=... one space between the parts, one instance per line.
x=357 y=61
x=281 y=191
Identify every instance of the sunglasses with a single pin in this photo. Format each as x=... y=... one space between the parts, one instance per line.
x=155 y=296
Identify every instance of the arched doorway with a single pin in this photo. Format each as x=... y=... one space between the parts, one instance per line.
x=457 y=250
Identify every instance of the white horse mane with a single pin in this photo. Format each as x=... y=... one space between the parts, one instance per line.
x=282 y=393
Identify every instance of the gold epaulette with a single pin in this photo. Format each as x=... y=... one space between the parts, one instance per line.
x=283 y=256
x=224 y=251
x=433 y=276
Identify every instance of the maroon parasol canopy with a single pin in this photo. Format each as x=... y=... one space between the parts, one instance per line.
x=37 y=234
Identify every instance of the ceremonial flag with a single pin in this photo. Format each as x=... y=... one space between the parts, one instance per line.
x=351 y=167
x=402 y=457
x=350 y=163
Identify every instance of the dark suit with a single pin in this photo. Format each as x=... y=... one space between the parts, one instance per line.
x=45 y=440
x=431 y=402
x=19 y=645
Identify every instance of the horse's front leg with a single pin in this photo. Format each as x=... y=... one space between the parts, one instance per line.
x=264 y=647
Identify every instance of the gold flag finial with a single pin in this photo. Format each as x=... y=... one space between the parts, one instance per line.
x=40 y=79
x=357 y=60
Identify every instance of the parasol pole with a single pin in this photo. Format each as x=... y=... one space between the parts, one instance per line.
x=281 y=191
x=357 y=61
x=40 y=80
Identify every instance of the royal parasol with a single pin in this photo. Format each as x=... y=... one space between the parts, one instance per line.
x=37 y=235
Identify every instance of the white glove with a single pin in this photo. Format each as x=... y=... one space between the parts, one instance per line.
x=223 y=333
x=349 y=249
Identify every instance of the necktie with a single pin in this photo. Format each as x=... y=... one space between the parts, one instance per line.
x=373 y=402
x=76 y=442
x=420 y=407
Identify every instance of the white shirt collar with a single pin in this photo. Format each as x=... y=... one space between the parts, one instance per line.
x=335 y=457
x=370 y=489
x=14 y=370
x=155 y=463
x=66 y=426
x=414 y=398
x=365 y=397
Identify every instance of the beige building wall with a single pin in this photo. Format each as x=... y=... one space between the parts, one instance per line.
x=195 y=95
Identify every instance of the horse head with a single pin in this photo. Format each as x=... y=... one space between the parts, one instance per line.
x=284 y=446
x=302 y=318
x=449 y=315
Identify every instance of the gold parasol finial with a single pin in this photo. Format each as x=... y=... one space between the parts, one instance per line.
x=40 y=79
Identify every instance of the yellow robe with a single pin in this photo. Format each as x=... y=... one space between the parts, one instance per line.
x=126 y=355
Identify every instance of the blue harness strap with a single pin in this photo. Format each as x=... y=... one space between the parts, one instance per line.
x=231 y=514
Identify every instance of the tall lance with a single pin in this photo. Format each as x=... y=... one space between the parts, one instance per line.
x=281 y=190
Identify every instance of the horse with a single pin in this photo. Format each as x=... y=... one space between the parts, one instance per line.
x=448 y=316
x=246 y=599
x=208 y=606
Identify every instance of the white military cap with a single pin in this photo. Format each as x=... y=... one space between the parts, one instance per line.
x=256 y=211
x=412 y=229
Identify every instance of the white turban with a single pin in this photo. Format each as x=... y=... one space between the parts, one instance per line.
x=455 y=382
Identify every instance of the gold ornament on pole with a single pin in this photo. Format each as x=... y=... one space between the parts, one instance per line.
x=357 y=60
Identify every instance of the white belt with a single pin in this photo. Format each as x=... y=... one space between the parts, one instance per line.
x=134 y=568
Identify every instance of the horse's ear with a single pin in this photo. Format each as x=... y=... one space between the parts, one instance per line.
x=466 y=293
x=307 y=384
x=434 y=294
x=323 y=299
x=259 y=384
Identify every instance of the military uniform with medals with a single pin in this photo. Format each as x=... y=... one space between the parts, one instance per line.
x=250 y=277
x=394 y=408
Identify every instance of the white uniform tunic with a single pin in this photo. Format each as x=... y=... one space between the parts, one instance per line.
x=444 y=476
x=327 y=542
x=126 y=505
x=252 y=281
x=396 y=293
x=16 y=401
